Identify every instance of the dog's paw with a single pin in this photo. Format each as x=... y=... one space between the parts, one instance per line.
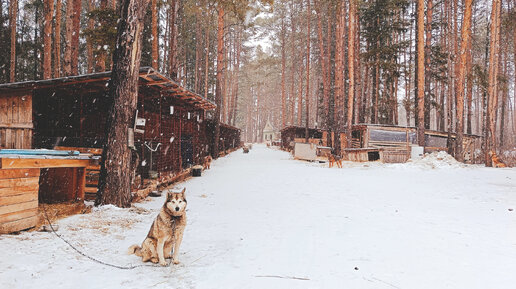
x=176 y=262
x=164 y=263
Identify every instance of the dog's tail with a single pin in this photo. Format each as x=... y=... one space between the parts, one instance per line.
x=134 y=249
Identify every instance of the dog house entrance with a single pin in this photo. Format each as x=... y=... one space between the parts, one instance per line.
x=373 y=156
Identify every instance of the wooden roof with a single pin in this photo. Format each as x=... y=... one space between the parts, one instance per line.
x=149 y=77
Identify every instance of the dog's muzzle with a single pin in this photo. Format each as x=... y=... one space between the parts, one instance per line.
x=177 y=209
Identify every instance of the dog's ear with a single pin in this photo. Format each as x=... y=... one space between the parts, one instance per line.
x=183 y=193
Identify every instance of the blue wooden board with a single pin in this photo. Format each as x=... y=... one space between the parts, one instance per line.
x=38 y=152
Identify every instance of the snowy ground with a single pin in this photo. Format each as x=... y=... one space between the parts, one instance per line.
x=429 y=224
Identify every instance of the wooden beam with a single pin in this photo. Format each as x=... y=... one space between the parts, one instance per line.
x=8 y=163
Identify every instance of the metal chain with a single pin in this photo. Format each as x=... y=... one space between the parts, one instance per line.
x=89 y=257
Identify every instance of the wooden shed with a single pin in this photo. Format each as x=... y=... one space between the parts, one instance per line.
x=387 y=143
x=290 y=134
x=472 y=145
x=71 y=112
x=394 y=143
x=229 y=137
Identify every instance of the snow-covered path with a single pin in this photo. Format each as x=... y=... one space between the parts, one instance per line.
x=259 y=215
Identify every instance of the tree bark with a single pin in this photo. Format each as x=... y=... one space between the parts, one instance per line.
x=67 y=67
x=461 y=79
x=323 y=60
x=13 y=12
x=48 y=11
x=283 y=70
x=172 y=70
x=89 y=45
x=420 y=73
x=351 y=69
x=492 y=81
x=428 y=47
x=219 y=78
x=115 y=172
x=307 y=96
x=57 y=40
x=154 y=31
x=76 y=23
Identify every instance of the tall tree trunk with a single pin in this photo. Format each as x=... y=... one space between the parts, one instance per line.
x=428 y=48
x=76 y=23
x=13 y=12
x=323 y=61
x=505 y=95
x=492 y=89
x=48 y=11
x=237 y=73
x=339 y=76
x=292 y=64
x=67 y=68
x=198 y=46
x=219 y=79
x=115 y=173
x=283 y=70
x=420 y=73
x=172 y=70
x=89 y=45
x=100 y=59
x=154 y=31
x=351 y=69
x=300 y=100
x=57 y=40
x=207 y=61
x=461 y=79
x=307 y=97
x=469 y=89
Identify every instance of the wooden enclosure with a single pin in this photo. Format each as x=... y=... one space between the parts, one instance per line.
x=472 y=145
x=387 y=143
x=16 y=120
x=291 y=133
x=72 y=112
x=394 y=141
x=26 y=180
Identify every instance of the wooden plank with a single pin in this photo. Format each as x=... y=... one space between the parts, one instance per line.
x=18 y=225
x=19 y=190
x=17 y=125
x=16 y=199
x=91 y=190
x=14 y=183
x=18 y=207
x=5 y=218
x=94 y=151
x=91 y=183
x=18 y=173
x=6 y=163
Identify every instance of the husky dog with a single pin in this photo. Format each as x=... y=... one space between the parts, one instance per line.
x=166 y=231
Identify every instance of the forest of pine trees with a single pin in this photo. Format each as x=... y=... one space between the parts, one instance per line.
x=441 y=65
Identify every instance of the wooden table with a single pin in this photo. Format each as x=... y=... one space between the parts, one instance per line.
x=25 y=179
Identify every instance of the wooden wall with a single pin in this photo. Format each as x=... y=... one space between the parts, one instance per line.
x=16 y=120
x=18 y=199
